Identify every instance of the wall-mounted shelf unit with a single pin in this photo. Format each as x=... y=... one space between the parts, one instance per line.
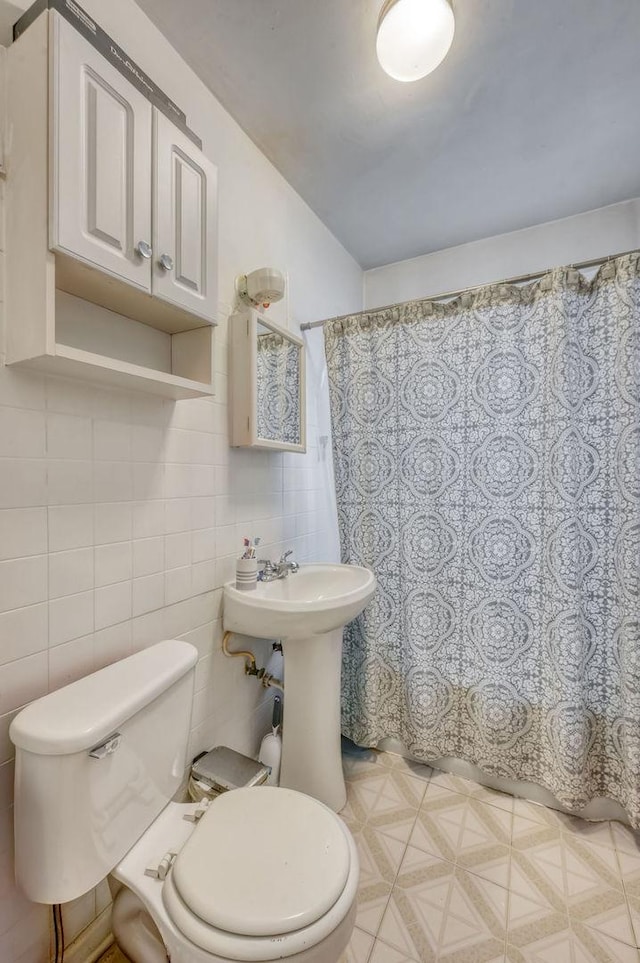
x=111 y=222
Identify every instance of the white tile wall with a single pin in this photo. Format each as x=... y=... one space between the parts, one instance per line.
x=101 y=558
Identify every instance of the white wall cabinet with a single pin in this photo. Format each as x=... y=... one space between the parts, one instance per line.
x=184 y=221
x=109 y=202
x=100 y=198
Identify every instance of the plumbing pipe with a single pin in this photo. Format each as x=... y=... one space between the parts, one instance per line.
x=251 y=664
x=250 y=667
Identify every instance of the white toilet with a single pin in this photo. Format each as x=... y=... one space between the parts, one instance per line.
x=263 y=874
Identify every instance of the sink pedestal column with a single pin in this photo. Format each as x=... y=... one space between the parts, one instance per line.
x=311 y=756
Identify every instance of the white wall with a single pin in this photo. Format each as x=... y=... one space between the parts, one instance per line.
x=121 y=514
x=609 y=230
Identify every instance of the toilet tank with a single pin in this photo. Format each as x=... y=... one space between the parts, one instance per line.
x=96 y=762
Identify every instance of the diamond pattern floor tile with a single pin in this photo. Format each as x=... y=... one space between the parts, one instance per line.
x=385 y=799
x=486 y=878
x=439 y=912
x=359 y=948
x=380 y=859
x=466 y=831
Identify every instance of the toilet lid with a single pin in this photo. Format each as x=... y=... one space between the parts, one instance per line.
x=262 y=862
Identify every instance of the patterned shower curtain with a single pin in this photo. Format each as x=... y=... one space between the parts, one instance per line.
x=487 y=466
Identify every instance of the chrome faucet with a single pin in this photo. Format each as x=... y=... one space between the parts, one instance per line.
x=270 y=571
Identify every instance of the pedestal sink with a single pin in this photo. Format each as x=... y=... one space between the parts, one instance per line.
x=307 y=612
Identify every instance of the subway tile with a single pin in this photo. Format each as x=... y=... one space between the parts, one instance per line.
x=196 y=415
x=177 y=550
x=20 y=388
x=112 y=644
x=177 y=584
x=22 y=681
x=22 y=433
x=178 y=446
x=67 y=395
x=148 y=628
x=203 y=544
x=148 y=443
x=70 y=661
x=23 y=632
x=112 y=604
x=113 y=522
x=113 y=481
x=70 y=482
x=178 y=481
x=177 y=515
x=148 y=519
x=69 y=436
x=113 y=563
x=203 y=512
x=23 y=482
x=203 y=577
x=148 y=593
x=148 y=556
x=23 y=531
x=70 y=617
x=70 y=526
x=111 y=403
x=111 y=441
x=23 y=581
x=148 y=481
x=70 y=572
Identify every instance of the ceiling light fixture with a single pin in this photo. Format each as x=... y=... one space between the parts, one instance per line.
x=414 y=37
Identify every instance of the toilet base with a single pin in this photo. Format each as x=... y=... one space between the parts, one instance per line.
x=134 y=930
x=140 y=940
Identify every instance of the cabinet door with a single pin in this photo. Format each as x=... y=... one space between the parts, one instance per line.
x=101 y=161
x=185 y=219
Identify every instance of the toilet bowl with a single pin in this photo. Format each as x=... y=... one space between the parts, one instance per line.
x=265 y=874
x=260 y=874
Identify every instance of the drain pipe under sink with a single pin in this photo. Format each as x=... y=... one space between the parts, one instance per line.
x=250 y=667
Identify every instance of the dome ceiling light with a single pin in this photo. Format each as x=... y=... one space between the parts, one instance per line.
x=414 y=37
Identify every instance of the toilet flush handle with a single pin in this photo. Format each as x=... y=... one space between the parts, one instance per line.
x=106 y=748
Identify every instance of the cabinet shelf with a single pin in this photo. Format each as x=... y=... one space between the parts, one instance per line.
x=85 y=365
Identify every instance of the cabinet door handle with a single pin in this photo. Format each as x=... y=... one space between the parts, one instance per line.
x=143 y=248
x=166 y=262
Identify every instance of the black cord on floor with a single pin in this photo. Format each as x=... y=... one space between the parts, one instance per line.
x=58 y=933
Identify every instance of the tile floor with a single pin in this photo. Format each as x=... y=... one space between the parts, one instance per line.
x=456 y=873
x=451 y=871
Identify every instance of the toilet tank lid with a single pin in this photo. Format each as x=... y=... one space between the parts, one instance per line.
x=78 y=716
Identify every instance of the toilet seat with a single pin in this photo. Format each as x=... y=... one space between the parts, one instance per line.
x=327 y=899
x=278 y=862
x=188 y=938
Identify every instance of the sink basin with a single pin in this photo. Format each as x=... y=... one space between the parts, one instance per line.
x=307 y=612
x=312 y=601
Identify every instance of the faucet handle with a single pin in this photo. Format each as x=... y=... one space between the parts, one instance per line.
x=285 y=556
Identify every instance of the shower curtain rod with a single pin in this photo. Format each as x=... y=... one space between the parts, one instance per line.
x=521 y=278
